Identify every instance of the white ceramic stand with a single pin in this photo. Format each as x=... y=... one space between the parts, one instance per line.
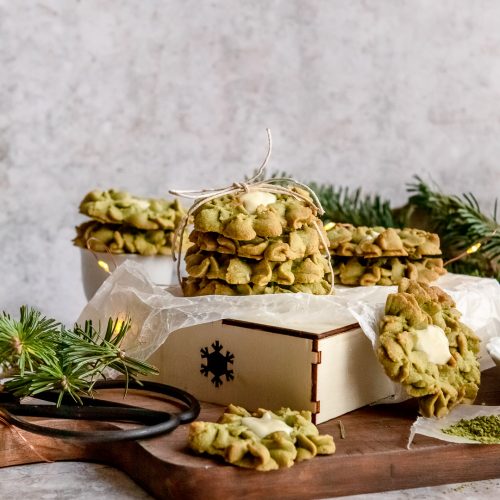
x=159 y=268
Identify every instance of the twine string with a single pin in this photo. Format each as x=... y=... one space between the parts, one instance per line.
x=255 y=183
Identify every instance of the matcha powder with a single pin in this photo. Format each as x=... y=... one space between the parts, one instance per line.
x=484 y=429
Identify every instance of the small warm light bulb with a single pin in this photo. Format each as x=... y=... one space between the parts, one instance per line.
x=104 y=265
x=474 y=248
x=118 y=325
x=329 y=226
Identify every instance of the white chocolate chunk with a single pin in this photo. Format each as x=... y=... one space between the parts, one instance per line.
x=370 y=235
x=433 y=341
x=253 y=199
x=265 y=425
x=142 y=204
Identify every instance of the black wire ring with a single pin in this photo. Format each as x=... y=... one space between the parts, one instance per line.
x=155 y=422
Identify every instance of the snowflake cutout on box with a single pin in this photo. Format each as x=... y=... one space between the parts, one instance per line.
x=217 y=363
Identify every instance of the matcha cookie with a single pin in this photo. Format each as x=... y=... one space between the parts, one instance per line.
x=385 y=270
x=123 y=239
x=120 y=207
x=263 y=440
x=203 y=286
x=238 y=271
x=229 y=216
x=424 y=346
x=347 y=240
x=293 y=245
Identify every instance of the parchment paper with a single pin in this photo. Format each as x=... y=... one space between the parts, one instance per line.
x=432 y=426
x=156 y=312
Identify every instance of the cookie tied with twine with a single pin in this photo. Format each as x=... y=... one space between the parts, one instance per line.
x=254 y=237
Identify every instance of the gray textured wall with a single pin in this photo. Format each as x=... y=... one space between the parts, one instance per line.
x=148 y=95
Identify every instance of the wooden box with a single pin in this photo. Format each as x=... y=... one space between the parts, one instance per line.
x=259 y=366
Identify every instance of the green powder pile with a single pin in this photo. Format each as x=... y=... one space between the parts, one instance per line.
x=484 y=429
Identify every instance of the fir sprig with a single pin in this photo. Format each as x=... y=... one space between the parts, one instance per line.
x=29 y=341
x=460 y=224
x=56 y=375
x=67 y=361
x=354 y=207
x=342 y=205
x=105 y=351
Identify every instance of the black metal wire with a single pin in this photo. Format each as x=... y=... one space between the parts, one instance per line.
x=154 y=422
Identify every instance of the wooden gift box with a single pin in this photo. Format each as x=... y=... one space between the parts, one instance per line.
x=259 y=366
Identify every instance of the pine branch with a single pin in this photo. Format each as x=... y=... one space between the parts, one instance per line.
x=87 y=346
x=460 y=224
x=52 y=376
x=29 y=341
x=68 y=362
x=342 y=205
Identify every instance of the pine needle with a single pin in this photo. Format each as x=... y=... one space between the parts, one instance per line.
x=353 y=207
x=26 y=342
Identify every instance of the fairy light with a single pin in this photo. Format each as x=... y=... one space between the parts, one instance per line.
x=472 y=249
x=103 y=265
x=100 y=262
x=118 y=325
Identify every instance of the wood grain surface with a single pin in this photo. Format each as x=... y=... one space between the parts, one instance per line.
x=372 y=457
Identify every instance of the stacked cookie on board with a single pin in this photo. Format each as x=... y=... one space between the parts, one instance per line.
x=123 y=223
x=256 y=243
x=383 y=256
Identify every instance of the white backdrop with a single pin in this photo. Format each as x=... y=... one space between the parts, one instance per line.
x=149 y=95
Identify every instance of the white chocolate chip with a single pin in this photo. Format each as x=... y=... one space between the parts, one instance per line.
x=253 y=199
x=265 y=425
x=433 y=341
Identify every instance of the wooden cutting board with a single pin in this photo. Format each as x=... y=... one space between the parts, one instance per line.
x=372 y=457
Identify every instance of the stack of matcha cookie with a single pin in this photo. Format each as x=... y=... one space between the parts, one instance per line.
x=256 y=243
x=383 y=256
x=123 y=223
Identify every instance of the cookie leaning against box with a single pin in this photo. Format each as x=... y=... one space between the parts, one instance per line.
x=424 y=346
x=263 y=440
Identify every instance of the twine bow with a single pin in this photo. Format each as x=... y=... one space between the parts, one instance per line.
x=255 y=183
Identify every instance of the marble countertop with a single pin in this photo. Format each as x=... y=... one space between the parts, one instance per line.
x=88 y=481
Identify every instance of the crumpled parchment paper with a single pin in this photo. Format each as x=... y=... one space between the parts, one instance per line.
x=156 y=312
